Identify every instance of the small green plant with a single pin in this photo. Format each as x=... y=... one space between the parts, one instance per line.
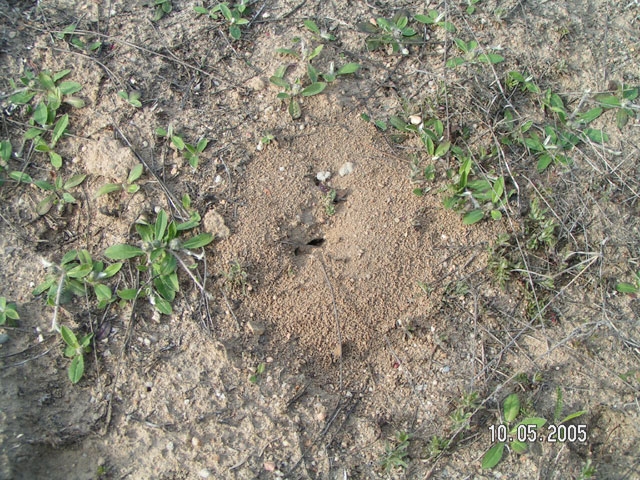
x=588 y=471
x=524 y=82
x=485 y=195
x=48 y=92
x=160 y=8
x=329 y=202
x=396 y=456
x=433 y=17
x=236 y=277
x=232 y=15
x=437 y=445
x=630 y=288
x=511 y=411
x=7 y=311
x=74 y=275
x=190 y=152
x=472 y=54
x=321 y=34
x=132 y=97
x=293 y=90
x=75 y=350
x=540 y=229
x=160 y=252
x=471 y=6
x=255 y=377
x=621 y=100
x=69 y=34
x=130 y=186
x=58 y=193
x=5 y=156
x=395 y=32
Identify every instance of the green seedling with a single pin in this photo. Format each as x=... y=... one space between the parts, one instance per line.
x=321 y=34
x=133 y=98
x=472 y=54
x=557 y=413
x=58 y=193
x=77 y=274
x=265 y=140
x=160 y=8
x=395 y=32
x=434 y=18
x=437 y=445
x=293 y=90
x=523 y=82
x=630 y=288
x=329 y=202
x=75 y=350
x=130 y=186
x=471 y=6
x=236 y=277
x=525 y=428
x=232 y=15
x=5 y=156
x=68 y=33
x=540 y=229
x=160 y=253
x=588 y=471
x=255 y=377
x=190 y=152
x=396 y=456
x=622 y=101
x=47 y=92
x=8 y=311
x=333 y=74
x=484 y=195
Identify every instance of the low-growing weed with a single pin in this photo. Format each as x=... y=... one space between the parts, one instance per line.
x=58 y=193
x=255 y=377
x=68 y=34
x=8 y=312
x=232 y=15
x=190 y=152
x=396 y=456
x=320 y=34
x=236 y=277
x=394 y=32
x=75 y=350
x=621 y=100
x=130 y=186
x=160 y=253
x=631 y=288
x=132 y=97
x=48 y=92
x=472 y=54
x=433 y=17
x=329 y=202
x=160 y=8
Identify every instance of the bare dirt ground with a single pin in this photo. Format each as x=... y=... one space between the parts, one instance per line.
x=349 y=326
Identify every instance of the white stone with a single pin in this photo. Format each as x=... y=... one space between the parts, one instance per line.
x=346 y=169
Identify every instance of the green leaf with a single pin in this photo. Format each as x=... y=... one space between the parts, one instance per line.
x=294 y=109
x=543 y=162
x=279 y=82
x=472 y=217
x=201 y=10
x=198 y=241
x=492 y=58
x=461 y=44
x=108 y=188
x=597 y=136
x=455 y=62
x=511 y=407
x=366 y=27
x=311 y=25
x=398 y=123
x=44 y=286
x=224 y=9
x=103 y=293
x=442 y=149
x=313 y=89
x=162 y=305
x=122 y=252
x=622 y=118
x=74 y=102
x=46 y=186
x=590 y=115
x=348 y=68
x=20 y=177
x=76 y=369
x=32 y=133
x=112 y=269
x=627 y=288
x=74 y=181
x=161 y=132
x=5 y=150
x=519 y=447
x=428 y=20
x=41 y=114
x=316 y=52
x=312 y=73
x=68 y=198
x=55 y=159
x=448 y=26
x=493 y=456
x=202 y=144
x=178 y=142
x=537 y=421
x=80 y=271
x=496 y=214
x=128 y=293
x=161 y=225
x=21 y=98
x=44 y=205
x=68 y=88
x=235 y=32
x=573 y=415
x=69 y=337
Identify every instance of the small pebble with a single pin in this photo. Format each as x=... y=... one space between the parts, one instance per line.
x=4 y=338
x=204 y=473
x=346 y=169
x=323 y=176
